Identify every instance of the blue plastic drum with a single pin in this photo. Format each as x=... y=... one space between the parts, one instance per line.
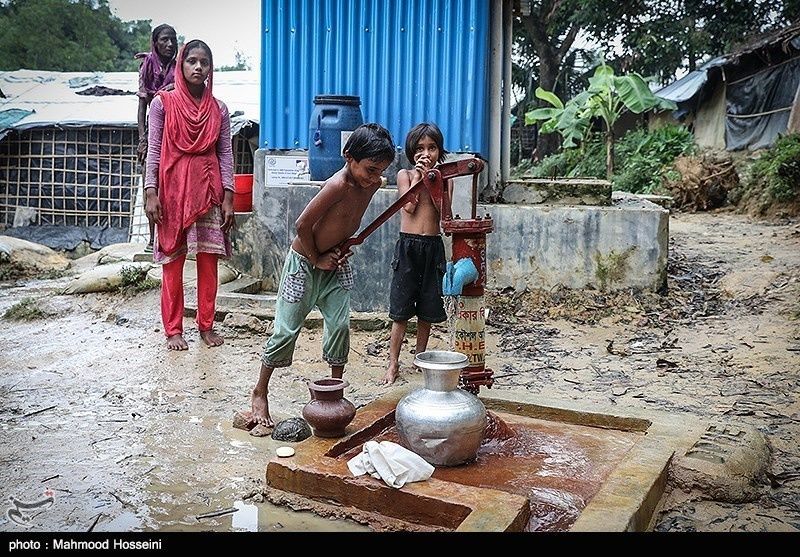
x=333 y=119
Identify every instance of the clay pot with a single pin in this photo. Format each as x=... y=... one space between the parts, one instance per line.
x=328 y=413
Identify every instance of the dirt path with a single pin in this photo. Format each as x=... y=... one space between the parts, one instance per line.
x=124 y=435
x=724 y=344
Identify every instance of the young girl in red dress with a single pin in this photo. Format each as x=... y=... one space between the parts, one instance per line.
x=189 y=189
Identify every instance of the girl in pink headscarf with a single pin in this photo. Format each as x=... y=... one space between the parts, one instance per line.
x=189 y=189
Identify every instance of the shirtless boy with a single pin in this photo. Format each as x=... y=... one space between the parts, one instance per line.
x=419 y=258
x=315 y=272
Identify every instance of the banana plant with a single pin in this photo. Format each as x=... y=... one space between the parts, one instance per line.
x=607 y=96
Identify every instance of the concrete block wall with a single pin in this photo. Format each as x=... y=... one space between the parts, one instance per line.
x=542 y=246
x=620 y=246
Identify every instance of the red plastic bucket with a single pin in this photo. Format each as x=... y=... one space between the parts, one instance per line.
x=243 y=193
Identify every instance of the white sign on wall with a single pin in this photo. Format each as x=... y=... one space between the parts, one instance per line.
x=345 y=135
x=282 y=170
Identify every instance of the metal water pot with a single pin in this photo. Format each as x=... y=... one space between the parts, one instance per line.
x=440 y=422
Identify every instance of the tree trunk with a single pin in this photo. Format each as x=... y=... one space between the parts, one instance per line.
x=609 y=154
x=551 y=54
x=547 y=144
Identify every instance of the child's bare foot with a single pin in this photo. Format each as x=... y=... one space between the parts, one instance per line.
x=176 y=342
x=211 y=338
x=260 y=407
x=391 y=374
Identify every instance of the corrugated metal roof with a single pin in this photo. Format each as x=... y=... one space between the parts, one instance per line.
x=408 y=60
x=52 y=97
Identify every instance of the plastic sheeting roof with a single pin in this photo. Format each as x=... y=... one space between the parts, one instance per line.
x=53 y=100
x=688 y=86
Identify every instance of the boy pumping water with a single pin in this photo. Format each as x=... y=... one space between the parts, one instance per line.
x=316 y=272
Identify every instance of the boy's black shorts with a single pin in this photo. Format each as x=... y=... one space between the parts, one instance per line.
x=419 y=266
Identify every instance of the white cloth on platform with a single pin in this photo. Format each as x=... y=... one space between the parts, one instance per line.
x=391 y=463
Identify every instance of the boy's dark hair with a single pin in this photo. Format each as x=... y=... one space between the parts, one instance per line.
x=418 y=132
x=197 y=43
x=370 y=141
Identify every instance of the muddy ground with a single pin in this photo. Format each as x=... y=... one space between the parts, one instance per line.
x=107 y=431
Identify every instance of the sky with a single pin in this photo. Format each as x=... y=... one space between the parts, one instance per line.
x=226 y=26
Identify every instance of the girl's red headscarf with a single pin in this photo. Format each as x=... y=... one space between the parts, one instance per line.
x=188 y=175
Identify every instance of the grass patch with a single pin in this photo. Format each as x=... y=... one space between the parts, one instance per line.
x=12 y=271
x=134 y=279
x=52 y=274
x=26 y=309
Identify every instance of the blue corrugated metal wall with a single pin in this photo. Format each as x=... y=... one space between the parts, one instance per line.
x=409 y=61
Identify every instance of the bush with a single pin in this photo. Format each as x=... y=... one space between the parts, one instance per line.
x=775 y=175
x=134 y=279
x=11 y=270
x=585 y=162
x=641 y=157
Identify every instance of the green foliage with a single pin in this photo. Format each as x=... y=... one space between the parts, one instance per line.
x=775 y=175
x=571 y=121
x=134 y=279
x=50 y=274
x=606 y=98
x=543 y=46
x=11 y=270
x=657 y=38
x=68 y=35
x=26 y=309
x=586 y=162
x=524 y=168
x=653 y=38
x=642 y=156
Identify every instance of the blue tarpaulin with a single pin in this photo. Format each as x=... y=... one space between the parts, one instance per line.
x=11 y=116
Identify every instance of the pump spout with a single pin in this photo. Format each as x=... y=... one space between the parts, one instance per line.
x=457 y=275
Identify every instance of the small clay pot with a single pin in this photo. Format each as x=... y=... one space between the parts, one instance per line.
x=328 y=413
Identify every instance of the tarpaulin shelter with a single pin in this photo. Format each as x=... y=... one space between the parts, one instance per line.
x=68 y=167
x=745 y=99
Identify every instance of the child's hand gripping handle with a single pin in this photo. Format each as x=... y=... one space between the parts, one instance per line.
x=344 y=247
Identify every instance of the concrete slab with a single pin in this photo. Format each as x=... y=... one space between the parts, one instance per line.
x=664 y=201
x=242 y=285
x=557 y=191
x=617 y=246
x=624 y=245
x=584 y=470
